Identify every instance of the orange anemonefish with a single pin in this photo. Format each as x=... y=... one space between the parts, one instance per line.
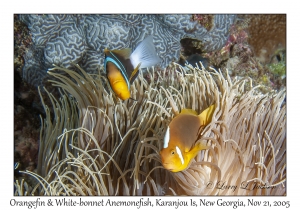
x=182 y=133
x=122 y=66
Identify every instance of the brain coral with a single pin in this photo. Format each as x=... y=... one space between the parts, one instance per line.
x=61 y=39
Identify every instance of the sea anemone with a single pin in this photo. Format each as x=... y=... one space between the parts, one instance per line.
x=94 y=144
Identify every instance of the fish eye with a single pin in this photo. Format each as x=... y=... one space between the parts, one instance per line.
x=172 y=152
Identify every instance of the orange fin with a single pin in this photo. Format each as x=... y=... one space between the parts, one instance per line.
x=188 y=111
x=124 y=53
x=135 y=71
x=196 y=149
x=206 y=115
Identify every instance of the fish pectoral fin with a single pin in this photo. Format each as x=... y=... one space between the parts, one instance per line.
x=134 y=73
x=196 y=149
x=206 y=115
x=124 y=53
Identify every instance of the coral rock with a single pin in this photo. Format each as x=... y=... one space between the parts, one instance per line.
x=267 y=34
x=61 y=39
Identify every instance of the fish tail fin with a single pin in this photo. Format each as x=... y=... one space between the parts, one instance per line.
x=206 y=115
x=145 y=54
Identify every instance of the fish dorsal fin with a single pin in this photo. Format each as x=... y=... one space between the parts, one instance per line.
x=106 y=51
x=189 y=111
x=134 y=73
x=123 y=53
x=206 y=115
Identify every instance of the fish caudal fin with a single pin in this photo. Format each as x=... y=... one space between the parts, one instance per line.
x=145 y=54
x=206 y=115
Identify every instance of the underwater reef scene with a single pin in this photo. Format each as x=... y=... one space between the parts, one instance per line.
x=73 y=136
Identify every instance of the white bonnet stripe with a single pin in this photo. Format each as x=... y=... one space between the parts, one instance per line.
x=167 y=138
x=180 y=154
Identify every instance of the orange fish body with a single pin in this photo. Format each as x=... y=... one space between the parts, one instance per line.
x=122 y=66
x=117 y=82
x=181 y=136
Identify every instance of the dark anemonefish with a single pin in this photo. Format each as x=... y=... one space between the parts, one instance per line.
x=182 y=133
x=122 y=66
